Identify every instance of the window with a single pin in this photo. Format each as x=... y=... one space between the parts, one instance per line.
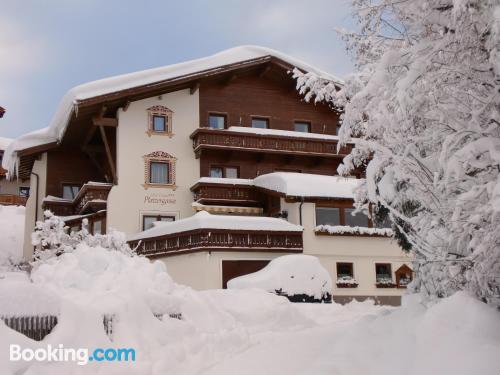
x=97 y=227
x=301 y=126
x=383 y=272
x=386 y=223
x=159 y=170
x=260 y=123
x=159 y=123
x=160 y=120
x=232 y=172
x=148 y=220
x=358 y=220
x=345 y=270
x=224 y=172
x=216 y=172
x=70 y=191
x=327 y=216
x=158 y=173
x=24 y=191
x=217 y=121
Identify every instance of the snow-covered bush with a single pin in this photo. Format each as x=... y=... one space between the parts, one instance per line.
x=424 y=107
x=51 y=238
x=299 y=276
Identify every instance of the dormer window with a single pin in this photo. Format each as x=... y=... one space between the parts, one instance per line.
x=159 y=121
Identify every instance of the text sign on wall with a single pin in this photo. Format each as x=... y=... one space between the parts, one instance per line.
x=160 y=199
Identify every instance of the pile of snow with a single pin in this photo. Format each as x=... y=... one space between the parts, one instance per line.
x=20 y=297
x=345 y=229
x=308 y=185
x=204 y=220
x=11 y=234
x=101 y=277
x=69 y=103
x=281 y=133
x=291 y=275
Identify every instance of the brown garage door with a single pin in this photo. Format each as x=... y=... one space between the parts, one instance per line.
x=235 y=268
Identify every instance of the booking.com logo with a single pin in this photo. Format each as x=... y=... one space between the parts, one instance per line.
x=61 y=354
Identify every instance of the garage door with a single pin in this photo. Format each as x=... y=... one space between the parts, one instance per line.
x=235 y=268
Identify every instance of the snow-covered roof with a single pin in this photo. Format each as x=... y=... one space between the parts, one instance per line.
x=294 y=184
x=204 y=220
x=4 y=143
x=307 y=185
x=226 y=181
x=60 y=120
x=282 y=133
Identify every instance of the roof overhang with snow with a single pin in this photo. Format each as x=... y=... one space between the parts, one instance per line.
x=84 y=101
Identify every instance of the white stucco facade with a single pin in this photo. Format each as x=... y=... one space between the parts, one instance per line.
x=130 y=199
x=32 y=212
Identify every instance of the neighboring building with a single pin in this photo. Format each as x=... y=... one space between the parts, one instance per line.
x=227 y=156
x=12 y=192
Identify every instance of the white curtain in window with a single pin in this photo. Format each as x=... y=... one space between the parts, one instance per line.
x=159 y=173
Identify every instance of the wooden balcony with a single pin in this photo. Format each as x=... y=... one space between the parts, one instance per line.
x=210 y=139
x=12 y=200
x=225 y=194
x=219 y=240
x=92 y=197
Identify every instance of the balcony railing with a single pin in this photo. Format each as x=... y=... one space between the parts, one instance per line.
x=206 y=138
x=229 y=194
x=92 y=197
x=219 y=240
x=11 y=200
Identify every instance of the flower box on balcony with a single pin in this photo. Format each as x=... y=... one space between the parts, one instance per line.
x=385 y=284
x=346 y=282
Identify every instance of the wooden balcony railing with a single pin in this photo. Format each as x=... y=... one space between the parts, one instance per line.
x=12 y=200
x=92 y=197
x=219 y=240
x=229 y=194
x=206 y=138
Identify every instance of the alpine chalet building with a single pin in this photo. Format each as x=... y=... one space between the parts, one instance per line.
x=214 y=166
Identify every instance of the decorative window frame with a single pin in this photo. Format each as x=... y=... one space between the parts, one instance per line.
x=160 y=110
x=161 y=157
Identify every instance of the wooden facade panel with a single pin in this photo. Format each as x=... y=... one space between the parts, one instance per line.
x=251 y=95
x=69 y=165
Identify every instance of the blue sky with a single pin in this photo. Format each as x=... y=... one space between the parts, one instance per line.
x=47 y=47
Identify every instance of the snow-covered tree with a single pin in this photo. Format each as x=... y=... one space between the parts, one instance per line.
x=52 y=238
x=424 y=106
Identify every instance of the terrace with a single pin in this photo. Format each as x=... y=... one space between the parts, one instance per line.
x=92 y=197
x=267 y=141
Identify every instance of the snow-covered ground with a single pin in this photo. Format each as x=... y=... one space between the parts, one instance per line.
x=11 y=233
x=245 y=331
x=237 y=331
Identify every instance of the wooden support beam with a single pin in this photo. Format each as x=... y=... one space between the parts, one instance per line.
x=229 y=79
x=108 y=153
x=105 y=121
x=194 y=88
x=126 y=105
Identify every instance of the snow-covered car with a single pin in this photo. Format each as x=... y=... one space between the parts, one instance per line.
x=301 y=278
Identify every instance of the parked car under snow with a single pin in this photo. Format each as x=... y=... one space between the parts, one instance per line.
x=301 y=278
